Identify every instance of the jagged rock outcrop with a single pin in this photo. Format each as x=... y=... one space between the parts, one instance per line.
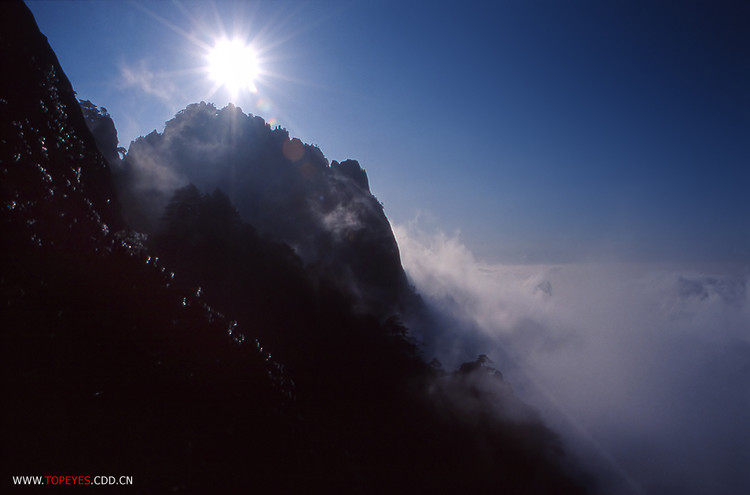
x=282 y=187
x=103 y=130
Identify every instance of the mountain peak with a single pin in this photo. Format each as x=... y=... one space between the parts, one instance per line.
x=281 y=186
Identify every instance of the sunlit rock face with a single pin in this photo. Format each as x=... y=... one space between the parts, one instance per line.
x=282 y=187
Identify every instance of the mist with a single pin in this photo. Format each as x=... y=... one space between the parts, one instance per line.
x=641 y=368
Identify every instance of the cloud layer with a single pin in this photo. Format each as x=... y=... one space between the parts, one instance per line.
x=643 y=369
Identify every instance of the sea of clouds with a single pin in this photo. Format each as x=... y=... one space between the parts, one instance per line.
x=643 y=369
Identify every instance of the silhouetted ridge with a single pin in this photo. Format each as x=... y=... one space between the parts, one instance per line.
x=359 y=382
x=34 y=87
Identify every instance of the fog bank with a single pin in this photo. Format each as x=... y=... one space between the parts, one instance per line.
x=642 y=368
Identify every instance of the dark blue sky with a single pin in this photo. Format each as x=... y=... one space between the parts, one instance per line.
x=543 y=131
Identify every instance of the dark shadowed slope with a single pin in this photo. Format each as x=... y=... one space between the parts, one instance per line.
x=115 y=361
x=107 y=365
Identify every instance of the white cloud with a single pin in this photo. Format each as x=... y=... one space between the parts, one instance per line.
x=147 y=81
x=643 y=369
x=340 y=220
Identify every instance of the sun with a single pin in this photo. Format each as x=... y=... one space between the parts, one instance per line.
x=234 y=65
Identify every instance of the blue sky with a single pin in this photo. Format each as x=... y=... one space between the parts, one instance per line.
x=542 y=131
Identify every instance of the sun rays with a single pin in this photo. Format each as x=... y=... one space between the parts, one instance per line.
x=234 y=65
x=231 y=56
